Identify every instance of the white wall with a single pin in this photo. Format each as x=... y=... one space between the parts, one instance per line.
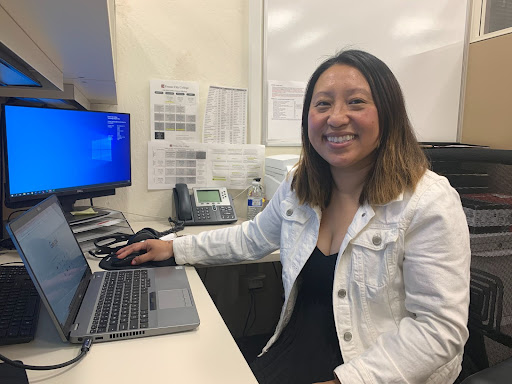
x=191 y=40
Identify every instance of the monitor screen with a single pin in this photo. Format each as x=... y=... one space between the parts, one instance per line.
x=74 y=154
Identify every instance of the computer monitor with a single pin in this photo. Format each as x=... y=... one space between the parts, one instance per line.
x=74 y=154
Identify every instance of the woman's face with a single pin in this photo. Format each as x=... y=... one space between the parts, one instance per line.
x=343 y=123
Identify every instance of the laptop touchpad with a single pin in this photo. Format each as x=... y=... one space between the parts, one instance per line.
x=174 y=298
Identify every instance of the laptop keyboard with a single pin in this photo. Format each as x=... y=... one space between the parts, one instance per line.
x=123 y=303
x=19 y=305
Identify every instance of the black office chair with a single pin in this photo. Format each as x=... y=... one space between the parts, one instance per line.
x=498 y=374
x=472 y=172
x=485 y=316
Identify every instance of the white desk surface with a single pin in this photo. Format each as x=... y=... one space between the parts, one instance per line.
x=207 y=354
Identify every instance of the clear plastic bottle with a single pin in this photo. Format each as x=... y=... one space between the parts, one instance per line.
x=255 y=199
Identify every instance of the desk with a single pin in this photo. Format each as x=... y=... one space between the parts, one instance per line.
x=205 y=355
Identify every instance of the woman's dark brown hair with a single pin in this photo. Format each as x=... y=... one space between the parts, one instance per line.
x=399 y=160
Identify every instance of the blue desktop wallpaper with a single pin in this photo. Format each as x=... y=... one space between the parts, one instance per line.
x=52 y=149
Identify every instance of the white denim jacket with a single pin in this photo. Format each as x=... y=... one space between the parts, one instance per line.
x=401 y=286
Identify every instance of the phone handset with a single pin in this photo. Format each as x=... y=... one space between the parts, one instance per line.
x=182 y=202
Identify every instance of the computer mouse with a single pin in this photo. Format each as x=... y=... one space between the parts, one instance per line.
x=127 y=261
x=143 y=234
x=112 y=262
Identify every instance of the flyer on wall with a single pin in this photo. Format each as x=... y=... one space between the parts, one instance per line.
x=173 y=110
x=203 y=164
x=225 y=117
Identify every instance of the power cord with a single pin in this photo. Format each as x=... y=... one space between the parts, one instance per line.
x=176 y=225
x=86 y=345
x=252 y=310
x=245 y=190
x=12 y=262
x=14 y=212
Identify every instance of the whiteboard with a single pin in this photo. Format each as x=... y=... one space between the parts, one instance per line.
x=422 y=41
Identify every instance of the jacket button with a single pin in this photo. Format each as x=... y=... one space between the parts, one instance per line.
x=289 y=212
x=376 y=240
x=347 y=336
x=342 y=293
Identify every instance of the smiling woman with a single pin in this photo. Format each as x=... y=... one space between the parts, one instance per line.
x=374 y=247
x=343 y=125
x=356 y=93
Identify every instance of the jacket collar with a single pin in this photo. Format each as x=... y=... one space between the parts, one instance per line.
x=400 y=197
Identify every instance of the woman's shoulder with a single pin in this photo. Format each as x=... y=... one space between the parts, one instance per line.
x=432 y=187
x=286 y=195
x=285 y=191
x=431 y=179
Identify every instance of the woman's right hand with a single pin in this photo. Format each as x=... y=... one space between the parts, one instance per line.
x=156 y=250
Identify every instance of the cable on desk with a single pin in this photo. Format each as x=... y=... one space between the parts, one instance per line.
x=14 y=212
x=12 y=262
x=176 y=225
x=86 y=345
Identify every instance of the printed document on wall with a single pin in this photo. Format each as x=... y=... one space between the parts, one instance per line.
x=203 y=165
x=173 y=110
x=285 y=99
x=176 y=162
x=225 y=117
x=234 y=166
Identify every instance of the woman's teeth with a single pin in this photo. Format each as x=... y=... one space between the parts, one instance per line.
x=340 y=139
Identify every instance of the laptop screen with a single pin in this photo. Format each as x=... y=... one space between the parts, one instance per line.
x=54 y=257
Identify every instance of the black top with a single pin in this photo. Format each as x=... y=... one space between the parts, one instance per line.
x=307 y=350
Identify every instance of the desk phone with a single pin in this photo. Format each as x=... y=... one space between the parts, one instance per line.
x=205 y=206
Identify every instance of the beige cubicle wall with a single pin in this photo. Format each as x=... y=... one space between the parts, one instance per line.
x=487 y=118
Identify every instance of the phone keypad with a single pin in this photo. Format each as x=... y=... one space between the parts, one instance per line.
x=203 y=213
x=208 y=214
x=227 y=213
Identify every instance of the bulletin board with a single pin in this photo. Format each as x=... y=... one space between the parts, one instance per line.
x=422 y=41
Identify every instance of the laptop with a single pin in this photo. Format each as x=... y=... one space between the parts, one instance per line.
x=73 y=294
